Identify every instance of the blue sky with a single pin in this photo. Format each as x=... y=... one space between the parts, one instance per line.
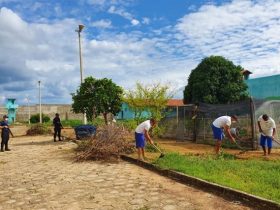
x=128 y=41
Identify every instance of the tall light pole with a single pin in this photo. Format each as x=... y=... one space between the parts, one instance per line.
x=28 y=105
x=40 y=107
x=79 y=30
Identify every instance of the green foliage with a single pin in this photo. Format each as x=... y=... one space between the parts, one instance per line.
x=97 y=96
x=71 y=123
x=97 y=122
x=215 y=80
x=36 y=118
x=258 y=177
x=151 y=98
x=128 y=124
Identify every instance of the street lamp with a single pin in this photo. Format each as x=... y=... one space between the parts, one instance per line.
x=28 y=105
x=79 y=30
x=40 y=107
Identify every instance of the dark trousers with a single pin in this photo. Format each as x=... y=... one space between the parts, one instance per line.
x=5 y=139
x=57 y=132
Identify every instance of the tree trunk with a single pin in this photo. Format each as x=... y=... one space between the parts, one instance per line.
x=105 y=117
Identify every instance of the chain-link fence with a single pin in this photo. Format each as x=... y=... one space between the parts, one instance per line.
x=193 y=123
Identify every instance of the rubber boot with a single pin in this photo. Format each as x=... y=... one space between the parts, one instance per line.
x=7 y=148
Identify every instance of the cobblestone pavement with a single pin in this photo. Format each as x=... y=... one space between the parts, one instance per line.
x=41 y=174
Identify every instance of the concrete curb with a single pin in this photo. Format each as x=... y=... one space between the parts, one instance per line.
x=228 y=193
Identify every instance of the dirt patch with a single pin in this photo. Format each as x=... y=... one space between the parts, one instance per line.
x=171 y=145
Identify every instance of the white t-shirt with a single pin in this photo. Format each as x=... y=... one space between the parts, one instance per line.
x=222 y=121
x=267 y=126
x=146 y=125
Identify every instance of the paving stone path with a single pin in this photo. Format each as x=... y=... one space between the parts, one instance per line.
x=41 y=174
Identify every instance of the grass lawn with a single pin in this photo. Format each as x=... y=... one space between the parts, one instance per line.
x=257 y=177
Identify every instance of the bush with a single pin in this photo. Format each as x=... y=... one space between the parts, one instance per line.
x=38 y=129
x=128 y=124
x=36 y=118
x=97 y=122
x=71 y=123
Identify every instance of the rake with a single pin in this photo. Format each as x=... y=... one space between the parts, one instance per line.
x=161 y=153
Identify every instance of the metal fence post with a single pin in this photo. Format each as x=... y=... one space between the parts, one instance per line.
x=253 y=119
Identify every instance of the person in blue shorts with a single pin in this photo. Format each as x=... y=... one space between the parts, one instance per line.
x=267 y=129
x=220 y=125
x=141 y=134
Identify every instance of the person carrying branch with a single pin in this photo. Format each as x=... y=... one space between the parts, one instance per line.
x=220 y=125
x=267 y=129
x=141 y=134
x=5 y=134
x=57 y=127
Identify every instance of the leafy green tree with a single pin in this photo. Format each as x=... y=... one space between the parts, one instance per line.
x=152 y=98
x=97 y=96
x=215 y=80
x=36 y=118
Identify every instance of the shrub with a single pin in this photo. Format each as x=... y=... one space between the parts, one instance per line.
x=128 y=124
x=71 y=123
x=36 y=118
x=38 y=129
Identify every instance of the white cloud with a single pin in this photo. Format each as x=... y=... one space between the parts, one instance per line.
x=121 y=12
x=243 y=31
x=49 y=52
x=146 y=20
x=102 y=24
x=135 y=22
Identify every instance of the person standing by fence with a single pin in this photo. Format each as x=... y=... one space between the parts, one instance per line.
x=267 y=129
x=220 y=125
x=57 y=127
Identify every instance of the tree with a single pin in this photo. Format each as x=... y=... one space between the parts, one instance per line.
x=215 y=80
x=152 y=98
x=97 y=96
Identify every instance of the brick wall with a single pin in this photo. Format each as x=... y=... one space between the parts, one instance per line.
x=64 y=111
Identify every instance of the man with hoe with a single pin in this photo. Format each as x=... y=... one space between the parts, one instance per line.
x=267 y=129
x=141 y=134
x=220 y=125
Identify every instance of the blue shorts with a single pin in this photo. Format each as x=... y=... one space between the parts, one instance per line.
x=266 y=139
x=140 y=140
x=217 y=133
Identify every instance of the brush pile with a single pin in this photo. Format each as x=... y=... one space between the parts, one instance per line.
x=38 y=129
x=108 y=144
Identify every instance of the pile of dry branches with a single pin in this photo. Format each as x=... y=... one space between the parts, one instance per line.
x=108 y=144
x=38 y=129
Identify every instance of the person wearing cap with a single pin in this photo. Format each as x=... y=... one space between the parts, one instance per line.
x=5 y=134
x=220 y=125
x=57 y=127
x=267 y=129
